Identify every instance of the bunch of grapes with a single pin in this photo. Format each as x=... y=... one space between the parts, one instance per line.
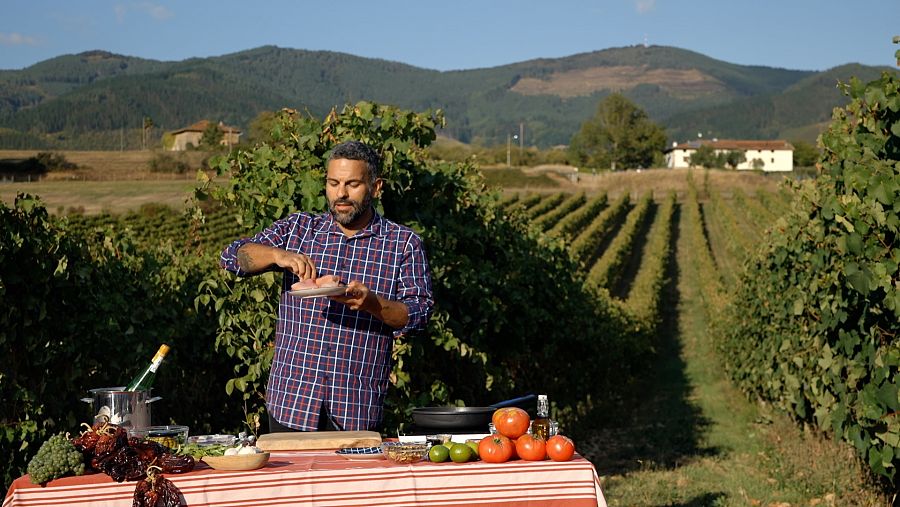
x=56 y=457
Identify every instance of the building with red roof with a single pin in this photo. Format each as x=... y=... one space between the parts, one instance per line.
x=190 y=136
x=768 y=156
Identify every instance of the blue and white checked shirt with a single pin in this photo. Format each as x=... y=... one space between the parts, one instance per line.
x=324 y=351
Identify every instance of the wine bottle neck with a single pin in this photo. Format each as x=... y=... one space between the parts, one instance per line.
x=155 y=364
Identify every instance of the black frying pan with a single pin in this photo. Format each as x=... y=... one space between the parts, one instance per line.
x=452 y=418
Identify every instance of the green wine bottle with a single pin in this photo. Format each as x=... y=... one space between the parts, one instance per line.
x=144 y=380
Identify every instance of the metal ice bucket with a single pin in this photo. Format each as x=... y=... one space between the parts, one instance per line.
x=129 y=409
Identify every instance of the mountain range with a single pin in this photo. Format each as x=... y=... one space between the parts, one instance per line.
x=98 y=100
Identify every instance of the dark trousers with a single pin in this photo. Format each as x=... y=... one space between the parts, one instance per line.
x=325 y=423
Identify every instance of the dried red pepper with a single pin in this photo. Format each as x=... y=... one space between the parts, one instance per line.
x=156 y=491
x=108 y=449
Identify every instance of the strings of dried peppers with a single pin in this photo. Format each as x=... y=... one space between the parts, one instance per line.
x=156 y=491
x=108 y=449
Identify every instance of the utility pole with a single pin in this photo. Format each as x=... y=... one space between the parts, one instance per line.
x=508 y=142
x=521 y=139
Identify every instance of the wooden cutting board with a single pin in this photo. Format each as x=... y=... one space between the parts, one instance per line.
x=297 y=441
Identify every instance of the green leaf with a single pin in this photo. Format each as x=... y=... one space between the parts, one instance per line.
x=887 y=394
x=892 y=438
x=798 y=306
x=854 y=243
x=895 y=128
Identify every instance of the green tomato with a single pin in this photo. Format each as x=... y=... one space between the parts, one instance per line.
x=438 y=453
x=460 y=453
x=474 y=446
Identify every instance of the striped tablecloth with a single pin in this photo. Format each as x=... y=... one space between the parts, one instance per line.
x=324 y=479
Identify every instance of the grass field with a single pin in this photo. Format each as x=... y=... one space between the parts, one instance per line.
x=113 y=165
x=106 y=181
x=92 y=197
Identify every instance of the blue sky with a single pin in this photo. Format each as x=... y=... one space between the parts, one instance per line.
x=457 y=34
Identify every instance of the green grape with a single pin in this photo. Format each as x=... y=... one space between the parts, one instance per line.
x=55 y=458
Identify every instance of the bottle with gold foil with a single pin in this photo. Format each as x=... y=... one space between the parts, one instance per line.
x=144 y=380
x=540 y=425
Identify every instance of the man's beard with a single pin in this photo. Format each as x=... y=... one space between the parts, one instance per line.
x=359 y=208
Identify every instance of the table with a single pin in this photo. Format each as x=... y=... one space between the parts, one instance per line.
x=325 y=479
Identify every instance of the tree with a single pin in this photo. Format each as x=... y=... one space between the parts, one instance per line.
x=704 y=156
x=805 y=154
x=262 y=126
x=145 y=132
x=211 y=137
x=619 y=136
x=733 y=158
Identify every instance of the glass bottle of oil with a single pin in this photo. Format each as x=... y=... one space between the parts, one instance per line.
x=540 y=426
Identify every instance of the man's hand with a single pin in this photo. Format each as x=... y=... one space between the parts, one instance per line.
x=359 y=297
x=296 y=263
x=253 y=258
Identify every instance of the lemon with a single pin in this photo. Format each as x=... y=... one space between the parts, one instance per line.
x=438 y=453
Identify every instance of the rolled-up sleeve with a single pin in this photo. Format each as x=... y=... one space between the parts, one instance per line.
x=415 y=286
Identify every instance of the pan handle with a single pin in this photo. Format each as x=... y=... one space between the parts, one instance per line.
x=528 y=399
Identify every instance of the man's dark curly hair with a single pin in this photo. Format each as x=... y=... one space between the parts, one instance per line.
x=356 y=150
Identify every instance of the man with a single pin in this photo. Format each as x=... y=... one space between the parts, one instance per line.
x=333 y=354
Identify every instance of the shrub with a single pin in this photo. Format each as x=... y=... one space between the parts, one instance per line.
x=82 y=311
x=815 y=324
x=163 y=162
x=54 y=162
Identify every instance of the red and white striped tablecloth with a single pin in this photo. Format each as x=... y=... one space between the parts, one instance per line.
x=324 y=479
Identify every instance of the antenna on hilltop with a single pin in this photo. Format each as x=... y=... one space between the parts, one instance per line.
x=646 y=44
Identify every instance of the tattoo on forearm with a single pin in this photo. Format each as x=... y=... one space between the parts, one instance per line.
x=245 y=261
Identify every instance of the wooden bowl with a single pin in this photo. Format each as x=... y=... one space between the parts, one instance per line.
x=237 y=461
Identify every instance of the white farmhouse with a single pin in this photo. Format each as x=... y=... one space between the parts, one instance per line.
x=769 y=156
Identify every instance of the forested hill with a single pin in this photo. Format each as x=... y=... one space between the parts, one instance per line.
x=96 y=100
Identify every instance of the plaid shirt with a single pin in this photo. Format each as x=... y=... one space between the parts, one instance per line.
x=324 y=351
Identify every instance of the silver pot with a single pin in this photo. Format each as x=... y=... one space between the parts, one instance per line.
x=129 y=409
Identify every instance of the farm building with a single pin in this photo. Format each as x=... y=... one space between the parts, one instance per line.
x=190 y=136
x=769 y=156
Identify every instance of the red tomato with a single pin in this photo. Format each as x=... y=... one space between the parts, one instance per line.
x=531 y=448
x=515 y=454
x=495 y=449
x=511 y=422
x=560 y=448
